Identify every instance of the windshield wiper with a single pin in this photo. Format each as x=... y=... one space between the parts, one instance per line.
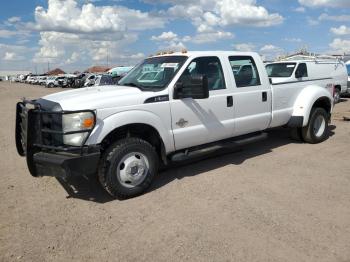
x=134 y=85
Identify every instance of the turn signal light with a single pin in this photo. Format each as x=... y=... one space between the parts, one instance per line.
x=88 y=122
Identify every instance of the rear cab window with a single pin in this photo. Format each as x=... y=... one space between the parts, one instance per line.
x=244 y=71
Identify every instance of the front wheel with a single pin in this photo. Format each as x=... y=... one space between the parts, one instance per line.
x=317 y=129
x=128 y=167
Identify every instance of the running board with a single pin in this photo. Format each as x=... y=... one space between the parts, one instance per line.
x=212 y=147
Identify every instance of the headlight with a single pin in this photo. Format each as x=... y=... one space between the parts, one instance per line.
x=84 y=121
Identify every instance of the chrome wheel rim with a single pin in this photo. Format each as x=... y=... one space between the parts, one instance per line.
x=319 y=126
x=132 y=169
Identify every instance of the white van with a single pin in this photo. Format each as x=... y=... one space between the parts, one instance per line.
x=319 y=71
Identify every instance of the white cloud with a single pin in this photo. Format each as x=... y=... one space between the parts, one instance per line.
x=340 y=45
x=342 y=30
x=270 y=52
x=337 y=18
x=209 y=16
x=244 y=47
x=165 y=36
x=246 y=12
x=72 y=33
x=69 y=17
x=14 y=19
x=312 y=22
x=11 y=56
x=13 y=53
x=210 y=37
x=293 y=39
x=325 y=3
x=300 y=9
x=7 y=33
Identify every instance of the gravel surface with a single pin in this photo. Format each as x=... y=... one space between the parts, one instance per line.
x=276 y=200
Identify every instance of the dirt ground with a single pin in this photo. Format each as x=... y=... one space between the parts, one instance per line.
x=276 y=200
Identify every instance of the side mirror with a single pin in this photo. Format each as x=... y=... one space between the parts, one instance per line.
x=195 y=87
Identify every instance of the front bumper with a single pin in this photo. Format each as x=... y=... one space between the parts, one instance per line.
x=64 y=166
x=39 y=139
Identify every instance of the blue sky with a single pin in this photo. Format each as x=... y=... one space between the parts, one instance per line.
x=75 y=34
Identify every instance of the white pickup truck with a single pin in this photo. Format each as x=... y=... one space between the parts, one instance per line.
x=201 y=101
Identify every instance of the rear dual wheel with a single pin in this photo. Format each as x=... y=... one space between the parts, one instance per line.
x=317 y=129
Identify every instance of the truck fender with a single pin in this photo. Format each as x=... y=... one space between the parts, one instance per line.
x=305 y=102
x=106 y=126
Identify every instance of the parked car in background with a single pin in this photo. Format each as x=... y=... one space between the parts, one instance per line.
x=50 y=81
x=60 y=81
x=79 y=81
x=320 y=71
x=120 y=71
x=41 y=80
x=31 y=80
x=104 y=80
x=90 y=80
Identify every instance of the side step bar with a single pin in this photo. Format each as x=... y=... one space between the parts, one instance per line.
x=212 y=147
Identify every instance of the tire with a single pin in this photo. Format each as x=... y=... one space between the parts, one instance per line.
x=317 y=129
x=51 y=85
x=337 y=94
x=128 y=167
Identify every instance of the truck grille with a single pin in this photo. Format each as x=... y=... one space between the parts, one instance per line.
x=39 y=127
x=35 y=126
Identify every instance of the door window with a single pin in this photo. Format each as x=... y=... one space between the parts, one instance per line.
x=245 y=71
x=302 y=70
x=208 y=66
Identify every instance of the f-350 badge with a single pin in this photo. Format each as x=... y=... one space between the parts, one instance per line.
x=182 y=123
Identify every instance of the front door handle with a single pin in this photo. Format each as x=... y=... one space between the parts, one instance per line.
x=229 y=101
x=264 y=96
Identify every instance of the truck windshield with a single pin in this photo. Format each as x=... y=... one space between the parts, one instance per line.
x=280 y=69
x=154 y=72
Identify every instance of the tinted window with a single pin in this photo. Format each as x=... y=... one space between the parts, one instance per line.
x=302 y=70
x=211 y=68
x=245 y=71
x=348 y=67
x=280 y=69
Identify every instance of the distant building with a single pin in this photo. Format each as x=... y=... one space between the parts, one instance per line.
x=97 y=69
x=55 y=72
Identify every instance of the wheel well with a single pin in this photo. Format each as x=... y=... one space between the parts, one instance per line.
x=143 y=131
x=324 y=103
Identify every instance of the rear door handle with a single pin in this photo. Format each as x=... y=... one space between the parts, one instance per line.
x=264 y=96
x=229 y=101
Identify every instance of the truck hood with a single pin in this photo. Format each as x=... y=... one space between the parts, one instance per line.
x=98 y=97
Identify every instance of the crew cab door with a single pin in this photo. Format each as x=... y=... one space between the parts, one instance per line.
x=201 y=121
x=252 y=95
